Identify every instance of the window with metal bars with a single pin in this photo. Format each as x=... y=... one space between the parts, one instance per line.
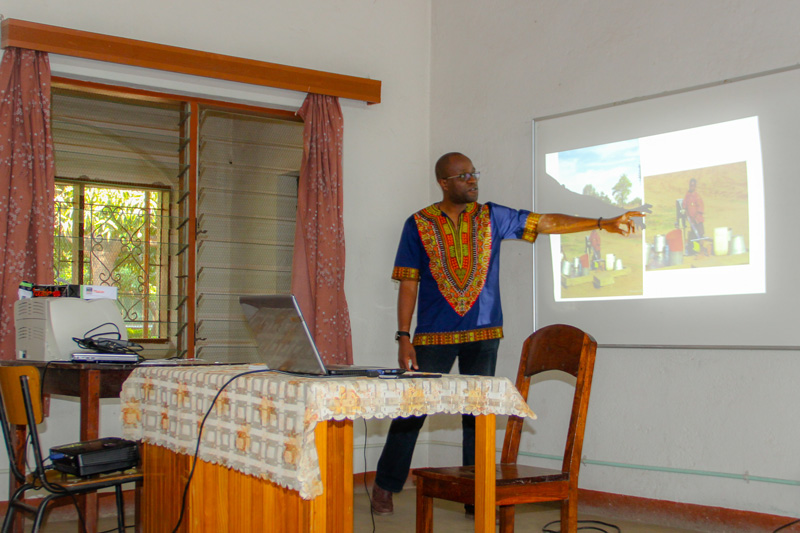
x=114 y=236
x=127 y=213
x=119 y=164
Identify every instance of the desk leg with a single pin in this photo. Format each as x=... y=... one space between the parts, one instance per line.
x=90 y=430
x=334 y=508
x=485 y=473
x=19 y=437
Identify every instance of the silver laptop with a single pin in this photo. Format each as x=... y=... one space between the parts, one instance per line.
x=101 y=357
x=285 y=342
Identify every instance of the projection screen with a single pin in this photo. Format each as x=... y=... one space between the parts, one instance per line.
x=717 y=260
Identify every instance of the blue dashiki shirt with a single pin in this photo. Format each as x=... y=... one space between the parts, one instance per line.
x=457 y=266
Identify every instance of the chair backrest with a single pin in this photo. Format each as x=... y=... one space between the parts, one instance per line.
x=566 y=349
x=12 y=393
x=13 y=410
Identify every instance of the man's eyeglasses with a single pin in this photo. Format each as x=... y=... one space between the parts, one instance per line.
x=466 y=176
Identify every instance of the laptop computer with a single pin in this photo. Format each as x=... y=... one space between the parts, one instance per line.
x=103 y=357
x=285 y=342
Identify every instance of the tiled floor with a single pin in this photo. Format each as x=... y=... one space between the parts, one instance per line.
x=448 y=517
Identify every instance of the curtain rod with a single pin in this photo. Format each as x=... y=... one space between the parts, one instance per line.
x=132 y=52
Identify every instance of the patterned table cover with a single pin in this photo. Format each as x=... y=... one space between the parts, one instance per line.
x=263 y=423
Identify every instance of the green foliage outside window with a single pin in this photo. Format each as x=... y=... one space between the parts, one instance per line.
x=118 y=239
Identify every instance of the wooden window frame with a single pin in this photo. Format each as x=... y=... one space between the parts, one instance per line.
x=193 y=127
x=100 y=47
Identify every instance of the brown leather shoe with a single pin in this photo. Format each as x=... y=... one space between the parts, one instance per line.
x=381 y=501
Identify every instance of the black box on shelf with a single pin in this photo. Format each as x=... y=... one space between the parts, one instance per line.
x=95 y=456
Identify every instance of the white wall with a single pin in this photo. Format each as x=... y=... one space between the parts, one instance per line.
x=386 y=145
x=498 y=64
x=386 y=154
x=493 y=66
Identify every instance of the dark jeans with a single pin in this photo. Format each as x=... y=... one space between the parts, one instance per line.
x=474 y=358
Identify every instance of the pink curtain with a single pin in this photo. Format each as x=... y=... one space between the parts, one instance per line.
x=318 y=270
x=27 y=177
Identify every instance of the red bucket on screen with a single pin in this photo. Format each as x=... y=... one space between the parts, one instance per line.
x=675 y=240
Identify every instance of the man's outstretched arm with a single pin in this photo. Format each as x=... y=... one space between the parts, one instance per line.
x=557 y=223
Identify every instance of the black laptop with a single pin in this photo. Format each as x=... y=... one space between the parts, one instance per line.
x=285 y=342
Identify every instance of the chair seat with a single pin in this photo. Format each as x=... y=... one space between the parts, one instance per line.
x=511 y=479
x=505 y=474
x=75 y=483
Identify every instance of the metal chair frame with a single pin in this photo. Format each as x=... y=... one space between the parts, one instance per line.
x=58 y=485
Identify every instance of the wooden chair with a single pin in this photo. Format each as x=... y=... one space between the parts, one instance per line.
x=22 y=405
x=558 y=347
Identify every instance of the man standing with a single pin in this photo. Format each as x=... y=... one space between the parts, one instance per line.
x=448 y=265
x=594 y=247
x=693 y=205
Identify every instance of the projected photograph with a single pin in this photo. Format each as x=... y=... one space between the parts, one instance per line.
x=702 y=190
x=699 y=218
x=601 y=264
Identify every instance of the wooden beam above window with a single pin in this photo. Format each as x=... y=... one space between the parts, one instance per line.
x=76 y=43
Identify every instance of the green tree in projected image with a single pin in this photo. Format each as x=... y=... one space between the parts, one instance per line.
x=621 y=190
x=589 y=190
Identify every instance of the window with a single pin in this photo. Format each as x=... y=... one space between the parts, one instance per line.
x=180 y=242
x=119 y=164
x=247 y=204
x=113 y=236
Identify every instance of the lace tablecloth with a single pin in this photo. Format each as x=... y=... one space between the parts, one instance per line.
x=262 y=424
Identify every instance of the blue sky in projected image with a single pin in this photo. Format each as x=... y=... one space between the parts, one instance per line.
x=601 y=166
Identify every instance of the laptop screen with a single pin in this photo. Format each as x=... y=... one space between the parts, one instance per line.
x=282 y=337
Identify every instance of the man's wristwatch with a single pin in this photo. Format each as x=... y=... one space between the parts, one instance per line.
x=401 y=334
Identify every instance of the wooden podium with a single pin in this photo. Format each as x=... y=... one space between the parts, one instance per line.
x=277 y=452
x=222 y=499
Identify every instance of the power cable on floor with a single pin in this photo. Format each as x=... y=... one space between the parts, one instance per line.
x=784 y=526
x=366 y=489
x=589 y=525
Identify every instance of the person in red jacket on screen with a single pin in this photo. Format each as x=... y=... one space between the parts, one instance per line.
x=693 y=204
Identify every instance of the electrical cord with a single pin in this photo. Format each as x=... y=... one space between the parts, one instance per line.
x=784 y=526
x=200 y=435
x=590 y=526
x=44 y=375
x=545 y=529
x=366 y=489
x=38 y=484
x=117 y=529
x=81 y=520
x=58 y=488
x=109 y=345
x=107 y=341
x=37 y=480
x=73 y=496
x=77 y=509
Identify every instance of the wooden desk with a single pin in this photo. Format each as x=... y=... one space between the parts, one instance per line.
x=222 y=499
x=88 y=381
x=277 y=450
